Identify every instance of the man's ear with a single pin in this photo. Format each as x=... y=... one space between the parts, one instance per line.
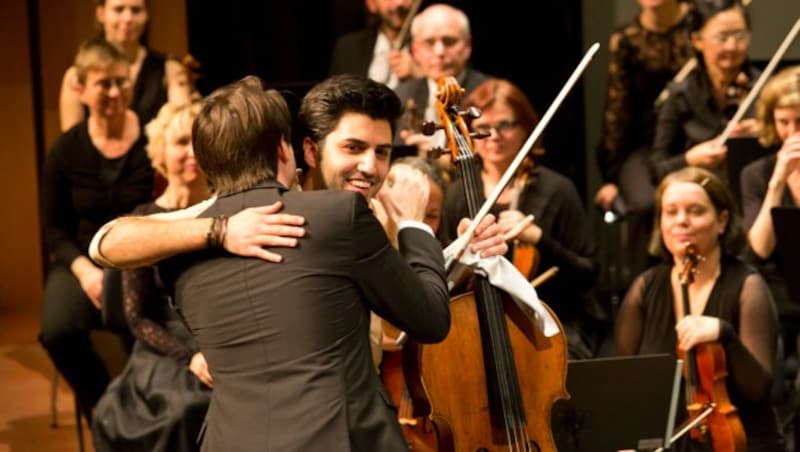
x=79 y=89
x=697 y=41
x=310 y=152
x=284 y=149
x=100 y=14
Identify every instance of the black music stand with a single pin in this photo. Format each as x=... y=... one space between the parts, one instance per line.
x=741 y=152
x=786 y=222
x=616 y=403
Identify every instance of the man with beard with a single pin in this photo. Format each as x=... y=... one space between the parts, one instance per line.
x=374 y=51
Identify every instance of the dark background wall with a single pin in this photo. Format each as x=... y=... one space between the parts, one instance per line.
x=289 y=46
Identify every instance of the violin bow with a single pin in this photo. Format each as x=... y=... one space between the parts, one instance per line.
x=687 y=67
x=401 y=37
x=523 y=152
x=751 y=96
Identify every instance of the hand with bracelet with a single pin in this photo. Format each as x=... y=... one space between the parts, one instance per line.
x=130 y=242
x=251 y=231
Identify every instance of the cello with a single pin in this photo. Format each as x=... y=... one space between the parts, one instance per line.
x=481 y=404
x=705 y=376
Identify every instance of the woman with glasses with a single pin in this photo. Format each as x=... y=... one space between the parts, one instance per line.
x=154 y=78
x=95 y=171
x=559 y=230
x=699 y=107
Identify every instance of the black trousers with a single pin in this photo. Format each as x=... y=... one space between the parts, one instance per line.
x=68 y=316
x=637 y=189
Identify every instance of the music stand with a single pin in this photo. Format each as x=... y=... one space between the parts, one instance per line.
x=615 y=403
x=786 y=222
x=741 y=152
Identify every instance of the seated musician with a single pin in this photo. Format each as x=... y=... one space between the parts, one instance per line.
x=559 y=229
x=729 y=301
x=774 y=181
x=698 y=107
x=159 y=400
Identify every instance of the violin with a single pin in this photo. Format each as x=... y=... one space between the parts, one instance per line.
x=470 y=385
x=705 y=372
x=417 y=431
x=735 y=93
x=525 y=256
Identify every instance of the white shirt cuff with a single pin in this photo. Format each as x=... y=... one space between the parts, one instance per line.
x=415 y=224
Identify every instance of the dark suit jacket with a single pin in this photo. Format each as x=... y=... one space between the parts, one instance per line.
x=352 y=53
x=287 y=343
x=417 y=89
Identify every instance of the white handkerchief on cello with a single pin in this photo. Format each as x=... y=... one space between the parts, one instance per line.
x=503 y=275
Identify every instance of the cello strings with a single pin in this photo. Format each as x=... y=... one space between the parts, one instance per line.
x=513 y=407
x=469 y=174
x=501 y=358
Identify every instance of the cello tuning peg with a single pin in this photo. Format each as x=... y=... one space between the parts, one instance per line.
x=428 y=128
x=435 y=152
x=471 y=113
x=478 y=135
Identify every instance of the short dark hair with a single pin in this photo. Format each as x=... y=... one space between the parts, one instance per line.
x=703 y=10
x=732 y=240
x=327 y=101
x=237 y=134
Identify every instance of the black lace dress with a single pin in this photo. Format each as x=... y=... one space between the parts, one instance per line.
x=641 y=64
x=156 y=403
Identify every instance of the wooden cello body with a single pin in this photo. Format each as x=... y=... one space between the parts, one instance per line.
x=490 y=385
x=448 y=381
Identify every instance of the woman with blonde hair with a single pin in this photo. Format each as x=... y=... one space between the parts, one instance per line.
x=159 y=401
x=774 y=181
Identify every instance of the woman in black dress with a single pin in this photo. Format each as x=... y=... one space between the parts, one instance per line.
x=774 y=181
x=160 y=399
x=729 y=301
x=155 y=78
x=644 y=55
x=559 y=231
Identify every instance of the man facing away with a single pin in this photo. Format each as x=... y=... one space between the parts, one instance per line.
x=285 y=342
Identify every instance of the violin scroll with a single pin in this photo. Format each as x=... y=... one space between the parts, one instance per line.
x=690 y=260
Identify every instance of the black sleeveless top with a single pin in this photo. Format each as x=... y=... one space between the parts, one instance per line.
x=150 y=92
x=651 y=298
